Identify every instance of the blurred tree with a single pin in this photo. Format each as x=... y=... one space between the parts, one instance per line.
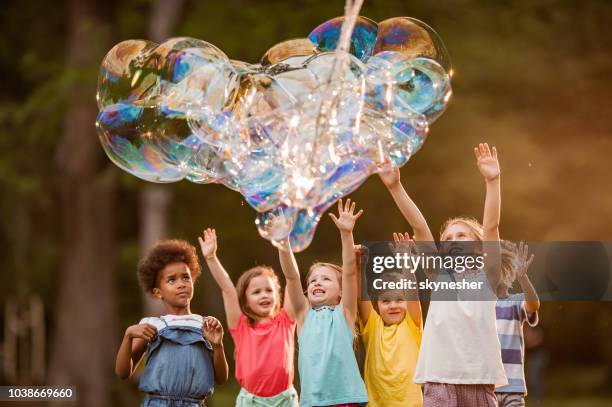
x=531 y=77
x=82 y=351
x=155 y=198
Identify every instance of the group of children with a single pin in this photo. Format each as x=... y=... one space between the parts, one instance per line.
x=457 y=360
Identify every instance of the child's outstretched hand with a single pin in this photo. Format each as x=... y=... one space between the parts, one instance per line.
x=345 y=221
x=524 y=260
x=486 y=160
x=390 y=176
x=213 y=331
x=403 y=242
x=208 y=243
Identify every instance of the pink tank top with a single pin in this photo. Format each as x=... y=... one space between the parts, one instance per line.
x=264 y=354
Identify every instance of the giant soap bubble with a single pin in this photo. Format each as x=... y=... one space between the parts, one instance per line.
x=292 y=134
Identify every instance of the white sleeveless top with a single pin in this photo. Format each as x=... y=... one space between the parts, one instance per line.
x=460 y=343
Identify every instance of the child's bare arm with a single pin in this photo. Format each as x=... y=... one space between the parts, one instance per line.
x=404 y=244
x=295 y=301
x=213 y=331
x=488 y=165
x=364 y=307
x=532 y=301
x=133 y=346
x=414 y=310
x=208 y=245
x=345 y=223
x=411 y=212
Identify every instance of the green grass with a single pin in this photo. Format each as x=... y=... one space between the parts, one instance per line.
x=224 y=395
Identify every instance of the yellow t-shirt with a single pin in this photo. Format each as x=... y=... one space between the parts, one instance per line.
x=391 y=357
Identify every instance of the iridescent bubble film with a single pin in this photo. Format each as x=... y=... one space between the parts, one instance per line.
x=291 y=134
x=363 y=38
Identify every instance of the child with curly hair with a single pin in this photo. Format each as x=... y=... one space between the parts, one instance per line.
x=184 y=351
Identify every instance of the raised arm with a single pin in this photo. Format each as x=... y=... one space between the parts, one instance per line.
x=403 y=244
x=532 y=301
x=364 y=307
x=208 y=245
x=488 y=165
x=345 y=223
x=412 y=214
x=295 y=301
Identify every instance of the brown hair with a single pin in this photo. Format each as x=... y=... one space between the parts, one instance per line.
x=162 y=253
x=395 y=277
x=243 y=284
x=508 y=249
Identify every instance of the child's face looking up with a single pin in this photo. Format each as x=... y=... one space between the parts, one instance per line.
x=261 y=296
x=323 y=287
x=454 y=236
x=392 y=308
x=175 y=286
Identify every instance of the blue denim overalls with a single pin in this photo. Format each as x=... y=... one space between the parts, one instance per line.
x=179 y=369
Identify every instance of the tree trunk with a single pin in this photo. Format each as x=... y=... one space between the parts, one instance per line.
x=155 y=199
x=83 y=346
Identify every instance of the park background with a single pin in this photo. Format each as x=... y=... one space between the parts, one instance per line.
x=531 y=77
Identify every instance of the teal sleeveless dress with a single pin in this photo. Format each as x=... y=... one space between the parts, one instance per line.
x=329 y=374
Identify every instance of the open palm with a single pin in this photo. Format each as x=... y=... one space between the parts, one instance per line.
x=345 y=221
x=208 y=242
x=486 y=160
x=524 y=260
x=402 y=243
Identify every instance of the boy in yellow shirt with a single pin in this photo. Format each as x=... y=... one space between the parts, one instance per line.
x=391 y=330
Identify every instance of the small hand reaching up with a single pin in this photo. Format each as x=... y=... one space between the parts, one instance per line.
x=390 y=176
x=208 y=243
x=486 y=160
x=345 y=221
x=403 y=242
x=532 y=302
x=524 y=260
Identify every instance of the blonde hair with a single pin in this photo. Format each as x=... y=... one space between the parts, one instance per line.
x=332 y=266
x=243 y=284
x=474 y=226
x=508 y=249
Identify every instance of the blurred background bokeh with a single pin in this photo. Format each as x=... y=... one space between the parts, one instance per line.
x=531 y=77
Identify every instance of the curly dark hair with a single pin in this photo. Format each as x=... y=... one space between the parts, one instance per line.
x=162 y=253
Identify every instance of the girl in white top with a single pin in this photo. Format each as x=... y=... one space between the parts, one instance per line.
x=460 y=357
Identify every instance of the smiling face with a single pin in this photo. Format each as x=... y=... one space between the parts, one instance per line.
x=261 y=296
x=392 y=308
x=323 y=286
x=175 y=286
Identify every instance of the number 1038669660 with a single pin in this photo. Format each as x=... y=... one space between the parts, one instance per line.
x=40 y=393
